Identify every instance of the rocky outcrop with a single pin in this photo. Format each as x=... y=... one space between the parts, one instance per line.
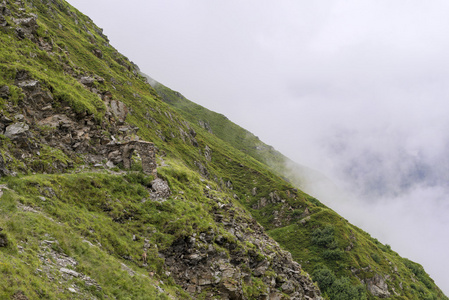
x=377 y=286
x=97 y=53
x=15 y=130
x=3 y=170
x=87 y=81
x=222 y=263
x=283 y=214
x=59 y=266
x=19 y=296
x=119 y=110
x=208 y=153
x=273 y=198
x=188 y=136
x=4 y=91
x=115 y=108
x=202 y=169
x=205 y=125
x=45 y=122
x=57 y=121
x=26 y=27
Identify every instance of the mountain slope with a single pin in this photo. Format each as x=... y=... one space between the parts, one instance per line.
x=109 y=192
x=364 y=259
x=241 y=139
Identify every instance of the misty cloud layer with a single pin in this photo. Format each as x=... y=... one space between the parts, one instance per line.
x=355 y=89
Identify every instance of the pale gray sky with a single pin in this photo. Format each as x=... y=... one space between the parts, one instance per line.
x=355 y=89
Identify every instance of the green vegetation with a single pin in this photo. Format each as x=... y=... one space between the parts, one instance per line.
x=323 y=244
x=337 y=288
x=221 y=127
x=325 y=239
x=57 y=204
x=79 y=220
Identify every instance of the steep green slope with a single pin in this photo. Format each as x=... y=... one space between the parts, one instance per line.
x=325 y=244
x=220 y=126
x=67 y=228
x=79 y=207
x=72 y=105
x=240 y=138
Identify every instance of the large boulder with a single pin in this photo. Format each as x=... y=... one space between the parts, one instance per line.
x=119 y=110
x=87 y=81
x=160 y=189
x=377 y=286
x=16 y=129
x=115 y=108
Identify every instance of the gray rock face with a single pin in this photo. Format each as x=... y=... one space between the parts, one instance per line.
x=119 y=110
x=208 y=153
x=53 y=261
x=127 y=269
x=199 y=266
x=16 y=129
x=26 y=27
x=69 y=272
x=34 y=95
x=254 y=191
x=29 y=84
x=87 y=81
x=188 y=136
x=115 y=108
x=377 y=286
x=22 y=75
x=205 y=125
x=57 y=121
x=4 y=91
x=202 y=169
x=29 y=22
x=44 y=45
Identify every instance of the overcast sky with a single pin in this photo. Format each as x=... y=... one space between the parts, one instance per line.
x=355 y=89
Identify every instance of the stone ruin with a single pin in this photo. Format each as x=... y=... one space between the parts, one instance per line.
x=122 y=153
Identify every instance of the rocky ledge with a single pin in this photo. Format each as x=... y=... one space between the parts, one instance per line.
x=243 y=257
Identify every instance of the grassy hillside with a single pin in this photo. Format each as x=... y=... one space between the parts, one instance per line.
x=240 y=138
x=221 y=127
x=75 y=221
x=327 y=246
